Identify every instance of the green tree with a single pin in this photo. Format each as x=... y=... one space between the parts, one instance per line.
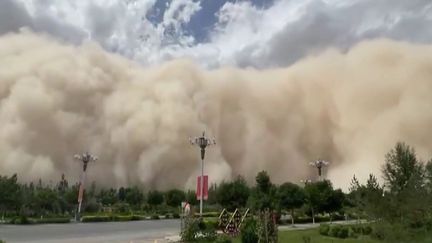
x=402 y=169
x=291 y=196
x=263 y=195
x=154 y=198
x=107 y=197
x=122 y=194
x=191 y=197
x=232 y=195
x=407 y=201
x=134 y=196
x=174 y=197
x=319 y=197
x=9 y=193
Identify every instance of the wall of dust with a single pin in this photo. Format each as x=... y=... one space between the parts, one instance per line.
x=349 y=108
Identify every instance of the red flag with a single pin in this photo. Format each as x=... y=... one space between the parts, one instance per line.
x=80 y=193
x=205 y=186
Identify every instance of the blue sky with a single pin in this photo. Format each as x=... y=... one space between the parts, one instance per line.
x=214 y=33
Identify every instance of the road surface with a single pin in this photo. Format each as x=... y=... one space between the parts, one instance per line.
x=130 y=232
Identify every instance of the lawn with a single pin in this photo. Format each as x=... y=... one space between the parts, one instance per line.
x=294 y=236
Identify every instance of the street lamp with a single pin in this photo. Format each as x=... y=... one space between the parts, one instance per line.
x=85 y=158
x=319 y=164
x=306 y=181
x=202 y=142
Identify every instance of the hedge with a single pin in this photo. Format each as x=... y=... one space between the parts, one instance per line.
x=25 y=220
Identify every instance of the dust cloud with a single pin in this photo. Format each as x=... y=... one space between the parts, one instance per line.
x=348 y=108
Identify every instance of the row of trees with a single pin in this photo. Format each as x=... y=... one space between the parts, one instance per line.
x=40 y=199
x=402 y=205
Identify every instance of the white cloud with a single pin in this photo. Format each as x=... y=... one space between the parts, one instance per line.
x=244 y=35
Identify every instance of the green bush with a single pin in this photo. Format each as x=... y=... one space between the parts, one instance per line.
x=367 y=230
x=324 y=229
x=352 y=234
x=154 y=216
x=249 y=231
x=358 y=229
x=343 y=232
x=223 y=239
x=52 y=221
x=190 y=230
x=334 y=230
x=87 y=219
x=176 y=215
x=20 y=220
x=137 y=217
x=167 y=216
x=120 y=218
x=306 y=239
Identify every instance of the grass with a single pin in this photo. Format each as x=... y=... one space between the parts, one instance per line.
x=298 y=236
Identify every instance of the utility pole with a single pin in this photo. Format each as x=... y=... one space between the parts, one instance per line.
x=319 y=164
x=85 y=158
x=202 y=142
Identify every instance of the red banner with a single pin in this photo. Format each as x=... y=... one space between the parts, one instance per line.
x=205 y=186
x=80 y=193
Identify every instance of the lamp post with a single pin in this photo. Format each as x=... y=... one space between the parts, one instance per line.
x=85 y=158
x=319 y=164
x=306 y=181
x=202 y=142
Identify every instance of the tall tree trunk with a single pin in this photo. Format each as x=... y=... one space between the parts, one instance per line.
x=313 y=216
x=292 y=216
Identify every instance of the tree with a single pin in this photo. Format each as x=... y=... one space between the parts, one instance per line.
x=291 y=196
x=232 y=195
x=428 y=171
x=402 y=169
x=154 y=198
x=174 y=197
x=134 y=196
x=122 y=194
x=107 y=197
x=407 y=201
x=263 y=182
x=319 y=197
x=191 y=197
x=264 y=194
x=9 y=193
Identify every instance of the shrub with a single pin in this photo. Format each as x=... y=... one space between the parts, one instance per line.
x=367 y=230
x=306 y=239
x=176 y=215
x=209 y=234
x=167 y=216
x=343 y=232
x=87 y=219
x=20 y=220
x=324 y=229
x=190 y=230
x=358 y=229
x=334 y=230
x=154 y=216
x=53 y=221
x=352 y=234
x=223 y=239
x=136 y=217
x=249 y=231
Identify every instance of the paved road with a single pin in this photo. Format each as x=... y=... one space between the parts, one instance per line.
x=133 y=231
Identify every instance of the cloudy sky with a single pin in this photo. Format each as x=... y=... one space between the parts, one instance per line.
x=214 y=33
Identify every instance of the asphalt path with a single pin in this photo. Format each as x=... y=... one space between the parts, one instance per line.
x=130 y=232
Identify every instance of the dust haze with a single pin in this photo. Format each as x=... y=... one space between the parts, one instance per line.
x=348 y=108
